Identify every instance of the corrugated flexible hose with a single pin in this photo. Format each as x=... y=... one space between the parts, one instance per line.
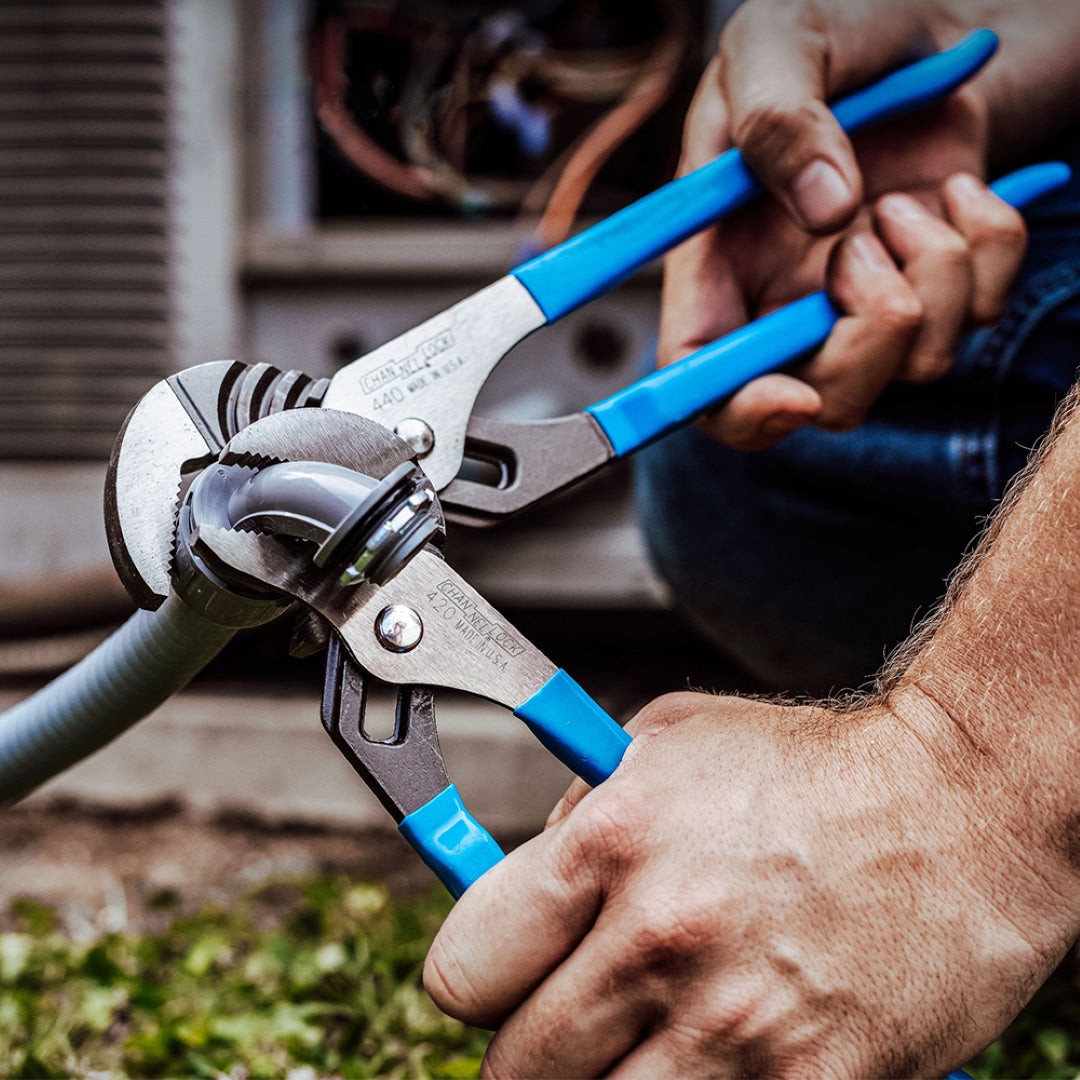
x=127 y=676
x=155 y=653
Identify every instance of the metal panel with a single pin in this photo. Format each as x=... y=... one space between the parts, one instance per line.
x=84 y=289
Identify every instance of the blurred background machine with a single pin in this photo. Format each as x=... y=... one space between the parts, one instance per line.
x=294 y=182
x=451 y=141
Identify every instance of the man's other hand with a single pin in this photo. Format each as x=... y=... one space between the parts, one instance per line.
x=757 y=890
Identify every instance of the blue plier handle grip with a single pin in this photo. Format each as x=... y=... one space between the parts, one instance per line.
x=671 y=396
x=601 y=256
x=567 y=722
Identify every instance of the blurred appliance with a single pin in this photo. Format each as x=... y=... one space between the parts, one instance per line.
x=83 y=222
x=295 y=181
x=450 y=141
x=116 y=264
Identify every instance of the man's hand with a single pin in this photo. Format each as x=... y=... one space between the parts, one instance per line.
x=793 y=891
x=758 y=890
x=927 y=252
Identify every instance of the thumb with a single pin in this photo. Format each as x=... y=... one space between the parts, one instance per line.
x=774 y=80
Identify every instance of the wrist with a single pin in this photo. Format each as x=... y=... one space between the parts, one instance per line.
x=990 y=691
x=1023 y=851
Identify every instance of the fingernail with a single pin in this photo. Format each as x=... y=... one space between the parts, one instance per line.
x=782 y=423
x=904 y=207
x=821 y=194
x=868 y=250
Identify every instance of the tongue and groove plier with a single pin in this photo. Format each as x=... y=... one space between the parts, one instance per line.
x=193 y=450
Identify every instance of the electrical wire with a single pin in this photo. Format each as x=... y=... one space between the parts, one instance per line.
x=465 y=70
x=146 y=661
x=592 y=151
x=330 y=83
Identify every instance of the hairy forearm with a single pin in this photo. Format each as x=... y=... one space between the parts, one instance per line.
x=998 y=670
x=1032 y=86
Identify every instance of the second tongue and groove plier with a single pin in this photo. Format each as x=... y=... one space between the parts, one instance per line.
x=418 y=391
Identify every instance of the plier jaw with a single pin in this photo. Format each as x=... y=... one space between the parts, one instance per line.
x=178 y=428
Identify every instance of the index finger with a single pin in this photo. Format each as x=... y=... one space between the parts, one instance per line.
x=514 y=925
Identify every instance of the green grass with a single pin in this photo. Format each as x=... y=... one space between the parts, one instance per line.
x=332 y=984
x=318 y=975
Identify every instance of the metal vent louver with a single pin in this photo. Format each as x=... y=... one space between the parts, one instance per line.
x=84 y=304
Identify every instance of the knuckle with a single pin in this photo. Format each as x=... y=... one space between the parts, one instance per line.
x=987 y=308
x=667 y=936
x=730 y=1023
x=840 y=414
x=573 y=795
x=1006 y=230
x=898 y=313
x=841 y=421
x=768 y=129
x=933 y=234
x=736 y=1024
x=664 y=712
x=1000 y=225
x=761 y=124
x=558 y=814
x=927 y=367
x=730 y=431
x=605 y=839
x=951 y=249
x=986 y=218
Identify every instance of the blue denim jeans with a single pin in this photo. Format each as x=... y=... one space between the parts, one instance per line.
x=806 y=564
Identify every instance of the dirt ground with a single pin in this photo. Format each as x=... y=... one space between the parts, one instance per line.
x=106 y=871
